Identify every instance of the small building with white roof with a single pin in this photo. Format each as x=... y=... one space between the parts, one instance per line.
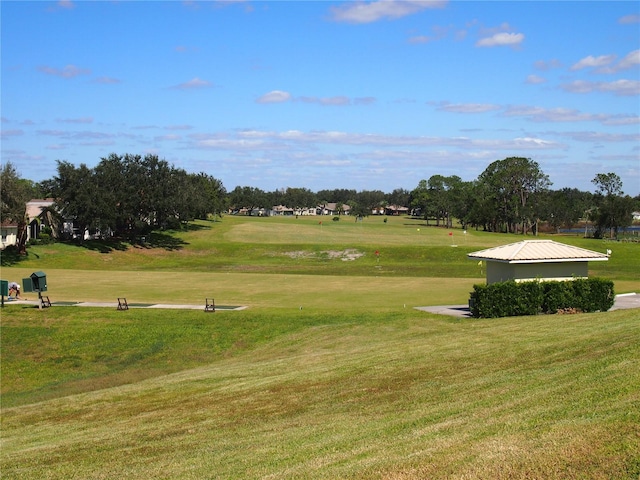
x=542 y=260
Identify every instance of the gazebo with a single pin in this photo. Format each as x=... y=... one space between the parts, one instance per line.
x=536 y=260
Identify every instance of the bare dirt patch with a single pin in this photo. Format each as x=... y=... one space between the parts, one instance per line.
x=347 y=255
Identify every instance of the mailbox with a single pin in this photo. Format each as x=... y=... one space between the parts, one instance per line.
x=37 y=282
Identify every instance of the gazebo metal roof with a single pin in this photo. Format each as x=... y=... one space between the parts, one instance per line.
x=538 y=251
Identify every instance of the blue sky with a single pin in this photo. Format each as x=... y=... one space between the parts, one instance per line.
x=320 y=94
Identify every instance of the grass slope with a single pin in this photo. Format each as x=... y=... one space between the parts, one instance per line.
x=328 y=374
x=357 y=396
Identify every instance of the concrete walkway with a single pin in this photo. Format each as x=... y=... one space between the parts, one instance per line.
x=623 y=301
x=132 y=305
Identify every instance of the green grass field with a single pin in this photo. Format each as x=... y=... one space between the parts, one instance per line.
x=329 y=372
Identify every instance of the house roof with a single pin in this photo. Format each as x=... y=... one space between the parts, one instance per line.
x=35 y=207
x=334 y=206
x=282 y=208
x=538 y=251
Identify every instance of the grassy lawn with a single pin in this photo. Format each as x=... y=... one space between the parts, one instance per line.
x=406 y=395
x=329 y=372
x=302 y=246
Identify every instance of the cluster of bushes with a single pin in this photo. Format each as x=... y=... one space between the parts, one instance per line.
x=45 y=237
x=506 y=299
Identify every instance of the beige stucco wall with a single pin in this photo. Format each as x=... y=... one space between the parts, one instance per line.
x=501 y=272
x=9 y=236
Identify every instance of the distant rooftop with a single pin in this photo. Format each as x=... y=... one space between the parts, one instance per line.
x=538 y=251
x=36 y=205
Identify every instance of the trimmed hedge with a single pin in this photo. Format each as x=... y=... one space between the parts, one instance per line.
x=507 y=299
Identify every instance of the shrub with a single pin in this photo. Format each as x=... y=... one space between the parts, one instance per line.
x=43 y=239
x=505 y=299
x=557 y=296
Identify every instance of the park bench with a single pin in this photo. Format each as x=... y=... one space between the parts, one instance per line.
x=122 y=304
x=210 y=305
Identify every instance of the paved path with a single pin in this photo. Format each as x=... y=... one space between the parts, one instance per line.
x=132 y=305
x=624 y=301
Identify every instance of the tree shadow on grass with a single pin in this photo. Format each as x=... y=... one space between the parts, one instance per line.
x=101 y=246
x=159 y=240
x=148 y=241
x=192 y=227
x=10 y=257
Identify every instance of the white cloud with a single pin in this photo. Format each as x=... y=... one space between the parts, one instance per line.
x=501 y=39
x=629 y=19
x=278 y=96
x=107 y=80
x=10 y=133
x=592 y=62
x=438 y=34
x=178 y=127
x=364 y=100
x=602 y=137
x=257 y=140
x=274 y=96
x=167 y=137
x=69 y=71
x=547 y=65
x=467 y=107
x=539 y=114
x=630 y=60
x=535 y=79
x=420 y=39
x=367 y=12
x=605 y=63
x=327 y=101
x=80 y=135
x=619 y=120
x=620 y=88
x=75 y=120
x=62 y=4
x=97 y=143
x=193 y=84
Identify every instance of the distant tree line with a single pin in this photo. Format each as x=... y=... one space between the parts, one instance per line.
x=361 y=203
x=513 y=195
x=131 y=195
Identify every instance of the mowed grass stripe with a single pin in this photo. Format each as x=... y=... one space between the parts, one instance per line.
x=288 y=292
x=399 y=397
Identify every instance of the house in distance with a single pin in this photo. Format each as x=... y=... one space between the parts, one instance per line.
x=542 y=260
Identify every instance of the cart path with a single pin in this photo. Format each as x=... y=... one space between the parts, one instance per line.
x=131 y=305
x=622 y=302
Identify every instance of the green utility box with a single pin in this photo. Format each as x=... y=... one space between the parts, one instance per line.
x=4 y=288
x=37 y=282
